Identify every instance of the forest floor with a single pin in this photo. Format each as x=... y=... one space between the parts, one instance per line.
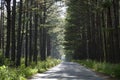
x=69 y=71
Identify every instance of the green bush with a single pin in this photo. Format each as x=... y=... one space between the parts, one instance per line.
x=10 y=74
x=26 y=71
x=107 y=68
x=4 y=61
x=45 y=65
x=116 y=71
x=22 y=72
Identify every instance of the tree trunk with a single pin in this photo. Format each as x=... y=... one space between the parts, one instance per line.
x=2 y=26
x=19 y=41
x=26 y=36
x=116 y=32
x=13 y=45
x=31 y=35
x=36 y=36
x=8 y=7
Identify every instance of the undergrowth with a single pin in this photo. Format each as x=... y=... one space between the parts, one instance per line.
x=22 y=72
x=103 y=67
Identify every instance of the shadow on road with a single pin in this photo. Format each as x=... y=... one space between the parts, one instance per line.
x=67 y=71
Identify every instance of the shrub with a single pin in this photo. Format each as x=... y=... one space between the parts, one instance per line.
x=116 y=71
x=45 y=65
x=107 y=68
x=22 y=72
x=10 y=74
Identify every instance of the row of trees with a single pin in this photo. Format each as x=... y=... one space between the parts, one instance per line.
x=92 y=30
x=24 y=29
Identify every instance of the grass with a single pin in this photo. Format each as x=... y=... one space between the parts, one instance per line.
x=107 y=68
x=22 y=72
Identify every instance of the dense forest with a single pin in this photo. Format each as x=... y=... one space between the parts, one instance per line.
x=27 y=30
x=30 y=40
x=93 y=30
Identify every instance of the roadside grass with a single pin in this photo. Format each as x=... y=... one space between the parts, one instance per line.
x=103 y=67
x=22 y=72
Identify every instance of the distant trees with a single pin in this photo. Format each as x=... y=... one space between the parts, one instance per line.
x=92 y=30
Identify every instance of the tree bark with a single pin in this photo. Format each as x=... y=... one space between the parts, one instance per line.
x=8 y=7
x=19 y=41
x=35 y=56
x=13 y=45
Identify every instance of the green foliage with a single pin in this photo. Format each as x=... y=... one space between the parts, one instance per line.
x=116 y=71
x=87 y=63
x=22 y=72
x=75 y=26
x=45 y=65
x=106 y=3
x=107 y=68
x=4 y=61
x=7 y=73
x=26 y=71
